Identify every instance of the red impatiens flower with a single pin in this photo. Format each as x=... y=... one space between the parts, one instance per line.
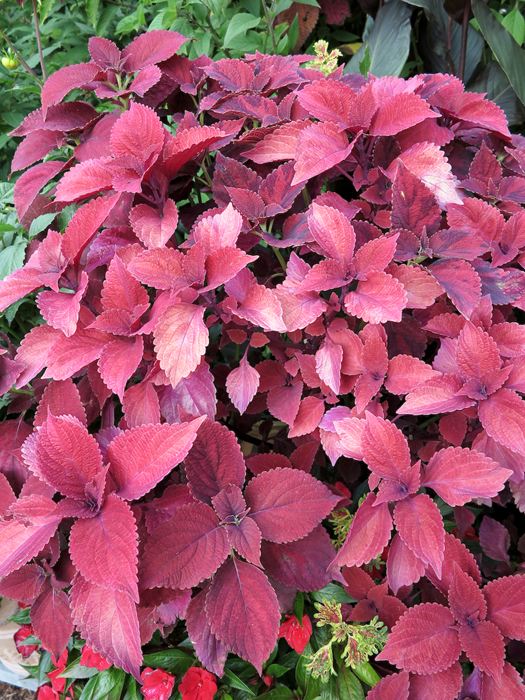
x=198 y=684
x=296 y=634
x=91 y=659
x=46 y=692
x=57 y=682
x=19 y=637
x=157 y=684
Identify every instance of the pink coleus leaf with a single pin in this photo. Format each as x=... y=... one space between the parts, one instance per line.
x=503 y=417
x=477 y=354
x=406 y=373
x=377 y=299
x=283 y=402
x=328 y=362
x=309 y=415
x=19 y=542
x=508 y=685
x=138 y=133
x=186 y=145
x=224 y=264
x=118 y=361
x=287 y=503
x=7 y=495
x=459 y=475
x=484 y=646
x=438 y=395
x=143 y=456
x=24 y=584
x=419 y=524
x=73 y=353
x=61 y=310
x=181 y=337
x=385 y=448
x=465 y=598
x=444 y=684
x=456 y=554
x=393 y=687
x=140 y=404
x=423 y=640
x=279 y=144
x=60 y=398
x=63 y=454
x=333 y=232
x=60 y=83
x=428 y=163
x=107 y=620
x=84 y=224
x=368 y=535
x=103 y=549
x=461 y=283
x=243 y=611
x=154 y=228
x=319 y=147
x=506 y=605
x=51 y=619
x=161 y=268
x=243 y=533
x=214 y=461
x=84 y=180
x=403 y=567
x=241 y=385
x=186 y=549
x=192 y=397
x=151 y=47
x=210 y=651
x=413 y=204
x=255 y=302
x=399 y=112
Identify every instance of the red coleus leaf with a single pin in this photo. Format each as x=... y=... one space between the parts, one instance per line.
x=461 y=283
x=214 y=461
x=394 y=687
x=151 y=47
x=107 y=619
x=444 y=684
x=484 y=646
x=60 y=399
x=51 y=619
x=293 y=565
x=20 y=542
x=465 y=598
x=60 y=83
x=243 y=612
x=143 y=456
x=104 y=548
x=181 y=338
x=243 y=533
x=368 y=535
x=460 y=475
x=84 y=180
x=506 y=605
x=319 y=147
x=423 y=640
x=186 y=549
x=508 y=684
x=419 y=524
x=287 y=503
x=118 y=361
x=63 y=454
x=23 y=585
x=403 y=567
x=210 y=651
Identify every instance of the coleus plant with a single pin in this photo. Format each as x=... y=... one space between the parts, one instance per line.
x=313 y=261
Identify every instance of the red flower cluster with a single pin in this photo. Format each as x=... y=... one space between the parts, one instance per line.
x=332 y=266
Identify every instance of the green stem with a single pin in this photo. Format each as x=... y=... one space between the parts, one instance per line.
x=39 y=41
x=19 y=56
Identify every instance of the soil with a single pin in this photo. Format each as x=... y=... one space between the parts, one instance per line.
x=9 y=692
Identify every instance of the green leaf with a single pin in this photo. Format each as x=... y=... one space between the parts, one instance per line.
x=298 y=606
x=493 y=81
x=12 y=257
x=238 y=27
x=508 y=54
x=388 y=41
x=21 y=617
x=367 y=674
x=93 y=12
x=107 y=685
x=348 y=685
x=75 y=670
x=40 y=224
x=237 y=683
x=332 y=592
x=515 y=25
x=174 y=661
x=280 y=692
x=132 y=690
x=276 y=670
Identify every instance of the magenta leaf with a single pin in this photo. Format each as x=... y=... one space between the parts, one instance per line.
x=51 y=619
x=368 y=535
x=243 y=612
